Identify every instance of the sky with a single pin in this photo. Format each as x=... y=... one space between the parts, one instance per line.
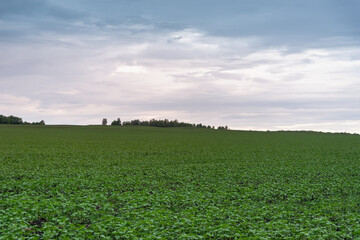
x=251 y=65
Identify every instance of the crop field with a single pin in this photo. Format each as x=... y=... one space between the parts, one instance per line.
x=72 y=182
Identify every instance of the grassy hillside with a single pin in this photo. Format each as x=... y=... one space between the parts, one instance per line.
x=62 y=182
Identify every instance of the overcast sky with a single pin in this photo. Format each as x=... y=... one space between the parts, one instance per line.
x=256 y=64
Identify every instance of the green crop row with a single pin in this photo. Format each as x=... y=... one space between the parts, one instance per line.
x=71 y=182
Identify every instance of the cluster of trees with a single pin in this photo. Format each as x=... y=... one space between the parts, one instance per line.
x=159 y=123
x=223 y=128
x=16 y=120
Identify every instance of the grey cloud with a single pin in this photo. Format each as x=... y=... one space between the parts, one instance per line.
x=36 y=8
x=60 y=59
x=295 y=24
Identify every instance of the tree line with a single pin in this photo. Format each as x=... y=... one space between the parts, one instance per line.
x=17 y=121
x=160 y=123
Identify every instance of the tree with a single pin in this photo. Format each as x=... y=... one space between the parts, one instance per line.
x=104 y=122
x=164 y=123
x=116 y=122
x=223 y=128
x=135 y=122
x=16 y=120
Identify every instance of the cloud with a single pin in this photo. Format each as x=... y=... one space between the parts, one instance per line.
x=36 y=8
x=19 y=106
x=130 y=69
x=246 y=65
x=296 y=23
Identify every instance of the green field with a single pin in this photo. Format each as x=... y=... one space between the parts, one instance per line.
x=72 y=182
